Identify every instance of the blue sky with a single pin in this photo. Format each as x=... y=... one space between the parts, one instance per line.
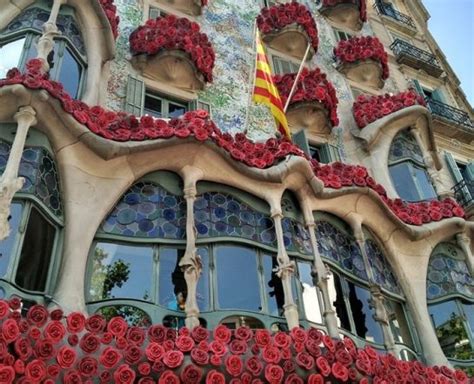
x=452 y=25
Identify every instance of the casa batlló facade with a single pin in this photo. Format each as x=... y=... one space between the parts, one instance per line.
x=156 y=228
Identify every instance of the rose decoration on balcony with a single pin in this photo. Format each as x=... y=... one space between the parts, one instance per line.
x=359 y=49
x=360 y=3
x=120 y=126
x=50 y=347
x=369 y=109
x=279 y=16
x=312 y=86
x=172 y=33
x=111 y=12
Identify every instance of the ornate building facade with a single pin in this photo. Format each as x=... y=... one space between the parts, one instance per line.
x=140 y=181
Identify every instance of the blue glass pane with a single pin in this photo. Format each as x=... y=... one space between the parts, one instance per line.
x=296 y=236
x=7 y=245
x=220 y=214
x=10 y=55
x=424 y=184
x=448 y=275
x=381 y=269
x=41 y=176
x=70 y=74
x=238 y=284
x=147 y=210
x=120 y=271
x=340 y=248
x=310 y=295
x=404 y=181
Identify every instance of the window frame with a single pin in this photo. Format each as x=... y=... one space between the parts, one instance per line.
x=165 y=102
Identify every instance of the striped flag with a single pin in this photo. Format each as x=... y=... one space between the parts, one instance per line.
x=266 y=92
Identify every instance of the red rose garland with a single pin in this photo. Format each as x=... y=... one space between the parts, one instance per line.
x=368 y=109
x=158 y=355
x=361 y=3
x=279 y=16
x=362 y=48
x=111 y=13
x=121 y=126
x=312 y=86
x=170 y=32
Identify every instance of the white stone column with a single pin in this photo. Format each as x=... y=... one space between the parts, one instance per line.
x=10 y=183
x=464 y=242
x=320 y=276
x=190 y=263
x=50 y=31
x=285 y=271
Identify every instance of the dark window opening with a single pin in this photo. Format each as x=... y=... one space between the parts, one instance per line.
x=340 y=306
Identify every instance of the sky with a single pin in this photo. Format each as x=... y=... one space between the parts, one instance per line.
x=452 y=25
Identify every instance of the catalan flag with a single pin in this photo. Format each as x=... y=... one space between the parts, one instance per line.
x=266 y=92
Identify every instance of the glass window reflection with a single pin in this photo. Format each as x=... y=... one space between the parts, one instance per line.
x=121 y=271
x=237 y=279
x=10 y=55
x=70 y=74
x=309 y=294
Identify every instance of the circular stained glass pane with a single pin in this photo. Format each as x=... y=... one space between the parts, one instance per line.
x=47 y=163
x=359 y=264
x=30 y=154
x=202 y=229
x=219 y=199
x=169 y=214
x=126 y=216
x=219 y=212
x=170 y=201
x=201 y=215
x=221 y=227
x=268 y=236
x=233 y=206
x=146 y=208
x=169 y=229
x=437 y=263
x=132 y=198
x=200 y=203
x=145 y=225
x=148 y=190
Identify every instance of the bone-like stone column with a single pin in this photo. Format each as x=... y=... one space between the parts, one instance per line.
x=464 y=243
x=50 y=31
x=10 y=183
x=320 y=276
x=191 y=263
x=285 y=271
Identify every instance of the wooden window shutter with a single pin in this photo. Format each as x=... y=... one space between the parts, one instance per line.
x=453 y=168
x=470 y=171
x=330 y=153
x=300 y=140
x=135 y=96
x=418 y=88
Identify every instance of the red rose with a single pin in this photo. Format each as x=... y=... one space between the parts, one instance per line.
x=191 y=375
x=215 y=377
x=313 y=348
x=282 y=340
x=89 y=343
x=274 y=374
x=44 y=349
x=305 y=360
x=323 y=366
x=222 y=334
x=216 y=360
x=173 y=359
x=72 y=377
x=136 y=335
x=315 y=378
x=289 y=366
x=218 y=347
x=343 y=357
x=88 y=366
x=238 y=347
x=132 y=354
x=199 y=334
x=106 y=338
x=35 y=371
x=233 y=365
x=340 y=372
x=10 y=330
x=144 y=368
x=73 y=340
x=254 y=365
x=14 y=303
x=184 y=343
x=4 y=309
x=199 y=356
x=20 y=367
x=154 y=351
x=23 y=348
x=96 y=323
x=243 y=333
x=7 y=374
x=124 y=375
x=329 y=343
x=157 y=333
x=271 y=355
x=117 y=326
x=147 y=380
x=75 y=322
x=294 y=379
x=298 y=334
x=262 y=337
x=55 y=331
x=66 y=357
x=109 y=357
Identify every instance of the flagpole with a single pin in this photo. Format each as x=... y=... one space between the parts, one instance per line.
x=293 y=88
x=251 y=76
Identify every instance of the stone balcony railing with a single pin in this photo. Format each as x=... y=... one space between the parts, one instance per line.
x=417 y=58
x=454 y=115
x=350 y=13
x=387 y=10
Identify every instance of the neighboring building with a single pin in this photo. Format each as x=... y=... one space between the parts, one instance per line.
x=124 y=215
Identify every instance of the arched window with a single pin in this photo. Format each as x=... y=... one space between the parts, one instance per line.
x=450 y=294
x=408 y=170
x=67 y=61
x=349 y=283
x=27 y=256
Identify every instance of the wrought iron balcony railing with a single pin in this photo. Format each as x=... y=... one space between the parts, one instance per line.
x=387 y=10
x=455 y=115
x=464 y=192
x=416 y=57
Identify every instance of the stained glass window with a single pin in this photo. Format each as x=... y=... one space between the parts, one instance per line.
x=296 y=236
x=41 y=176
x=340 y=248
x=404 y=145
x=148 y=210
x=381 y=269
x=220 y=214
x=448 y=274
